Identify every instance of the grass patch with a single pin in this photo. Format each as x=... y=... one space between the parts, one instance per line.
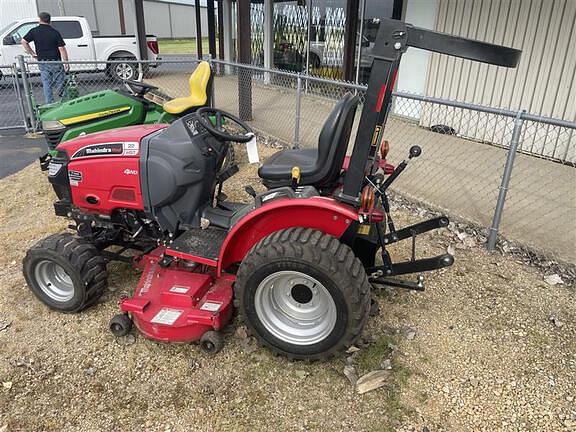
x=370 y=357
x=181 y=46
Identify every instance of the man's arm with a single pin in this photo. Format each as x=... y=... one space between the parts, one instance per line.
x=64 y=56
x=25 y=43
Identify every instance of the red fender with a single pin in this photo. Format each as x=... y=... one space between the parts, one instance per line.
x=320 y=213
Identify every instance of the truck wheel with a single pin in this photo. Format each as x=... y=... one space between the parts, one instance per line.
x=65 y=272
x=303 y=294
x=126 y=69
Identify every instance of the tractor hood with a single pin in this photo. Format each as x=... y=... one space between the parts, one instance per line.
x=114 y=142
x=95 y=106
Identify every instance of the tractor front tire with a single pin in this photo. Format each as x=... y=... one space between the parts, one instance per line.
x=66 y=273
x=303 y=294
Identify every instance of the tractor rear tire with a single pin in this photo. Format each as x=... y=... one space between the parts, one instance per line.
x=66 y=273
x=303 y=294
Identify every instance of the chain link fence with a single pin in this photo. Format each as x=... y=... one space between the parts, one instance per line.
x=11 y=101
x=505 y=172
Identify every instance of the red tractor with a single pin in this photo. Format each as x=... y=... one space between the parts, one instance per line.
x=297 y=261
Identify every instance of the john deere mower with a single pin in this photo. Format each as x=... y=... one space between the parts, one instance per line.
x=297 y=261
x=132 y=104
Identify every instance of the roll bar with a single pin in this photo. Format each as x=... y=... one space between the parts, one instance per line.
x=393 y=39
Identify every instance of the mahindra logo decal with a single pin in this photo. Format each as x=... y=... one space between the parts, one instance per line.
x=108 y=149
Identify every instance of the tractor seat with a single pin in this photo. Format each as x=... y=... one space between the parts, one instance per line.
x=318 y=167
x=199 y=83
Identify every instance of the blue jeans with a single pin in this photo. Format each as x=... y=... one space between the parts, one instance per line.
x=52 y=75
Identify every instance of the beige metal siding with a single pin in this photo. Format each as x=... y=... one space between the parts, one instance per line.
x=543 y=83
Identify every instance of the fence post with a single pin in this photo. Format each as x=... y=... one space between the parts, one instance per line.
x=27 y=92
x=493 y=235
x=297 y=118
x=18 y=93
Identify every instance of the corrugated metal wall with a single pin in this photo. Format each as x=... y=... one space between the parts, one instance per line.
x=165 y=20
x=544 y=82
x=13 y=10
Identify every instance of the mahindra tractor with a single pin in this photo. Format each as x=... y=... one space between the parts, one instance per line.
x=296 y=262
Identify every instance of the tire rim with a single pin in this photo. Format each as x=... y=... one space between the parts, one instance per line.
x=295 y=307
x=54 y=281
x=124 y=71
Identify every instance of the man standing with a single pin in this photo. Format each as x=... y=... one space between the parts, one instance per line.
x=49 y=47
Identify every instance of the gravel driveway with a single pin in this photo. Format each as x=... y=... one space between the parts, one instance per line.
x=489 y=346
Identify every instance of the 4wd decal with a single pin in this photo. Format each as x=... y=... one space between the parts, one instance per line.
x=108 y=149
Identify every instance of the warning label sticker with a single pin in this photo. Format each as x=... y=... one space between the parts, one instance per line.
x=179 y=289
x=211 y=306
x=167 y=316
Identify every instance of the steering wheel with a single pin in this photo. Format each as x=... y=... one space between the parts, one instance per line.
x=144 y=88
x=218 y=130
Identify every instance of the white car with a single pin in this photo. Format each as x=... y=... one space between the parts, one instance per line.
x=81 y=45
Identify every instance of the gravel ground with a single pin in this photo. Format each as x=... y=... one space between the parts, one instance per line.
x=488 y=346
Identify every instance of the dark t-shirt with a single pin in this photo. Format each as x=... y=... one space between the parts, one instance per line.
x=46 y=41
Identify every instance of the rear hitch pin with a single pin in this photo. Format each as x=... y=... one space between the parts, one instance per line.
x=420 y=282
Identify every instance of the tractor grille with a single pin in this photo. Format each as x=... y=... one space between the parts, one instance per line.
x=53 y=137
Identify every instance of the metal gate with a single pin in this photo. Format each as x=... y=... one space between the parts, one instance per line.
x=12 y=114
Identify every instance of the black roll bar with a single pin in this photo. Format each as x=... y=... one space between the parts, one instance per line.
x=393 y=39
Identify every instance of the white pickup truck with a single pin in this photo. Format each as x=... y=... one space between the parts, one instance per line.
x=81 y=45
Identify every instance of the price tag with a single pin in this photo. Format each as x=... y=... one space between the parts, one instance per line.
x=252 y=149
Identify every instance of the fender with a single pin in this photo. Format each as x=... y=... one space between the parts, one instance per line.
x=320 y=213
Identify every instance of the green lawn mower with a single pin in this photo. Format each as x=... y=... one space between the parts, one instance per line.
x=133 y=104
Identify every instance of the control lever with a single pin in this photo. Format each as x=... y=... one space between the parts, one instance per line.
x=415 y=151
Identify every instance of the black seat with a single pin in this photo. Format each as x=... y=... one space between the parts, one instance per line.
x=318 y=167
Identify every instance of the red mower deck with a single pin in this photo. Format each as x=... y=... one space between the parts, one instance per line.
x=177 y=305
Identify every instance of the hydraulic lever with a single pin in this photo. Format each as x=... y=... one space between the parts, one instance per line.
x=415 y=151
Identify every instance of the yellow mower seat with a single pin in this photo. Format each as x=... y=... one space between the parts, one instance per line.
x=198 y=83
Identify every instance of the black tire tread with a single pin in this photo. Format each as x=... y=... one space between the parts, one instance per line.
x=84 y=257
x=329 y=254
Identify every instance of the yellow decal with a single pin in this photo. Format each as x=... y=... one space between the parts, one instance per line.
x=364 y=229
x=92 y=116
x=376 y=135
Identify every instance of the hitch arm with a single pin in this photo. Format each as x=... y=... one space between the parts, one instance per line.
x=417 y=266
x=416 y=229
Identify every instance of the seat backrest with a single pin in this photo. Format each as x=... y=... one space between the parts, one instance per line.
x=199 y=81
x=334 y=138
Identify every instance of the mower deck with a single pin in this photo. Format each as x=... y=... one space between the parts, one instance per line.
x=174 y=304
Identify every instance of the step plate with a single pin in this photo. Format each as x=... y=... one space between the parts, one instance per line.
x=204 y=243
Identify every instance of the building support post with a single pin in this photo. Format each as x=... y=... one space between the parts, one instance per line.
x=121 y=17
x=140 y=29
x=351 y=31
x=227 y=33
x=245 y=57
x=197 y=10
x=268 y=38
x=211 y=28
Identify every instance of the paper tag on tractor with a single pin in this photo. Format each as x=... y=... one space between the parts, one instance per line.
x=252 y=149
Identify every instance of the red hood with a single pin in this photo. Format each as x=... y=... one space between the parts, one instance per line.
x=126 y=134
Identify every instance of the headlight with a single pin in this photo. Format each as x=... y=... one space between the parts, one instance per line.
x=52 y=125
x=53 y=168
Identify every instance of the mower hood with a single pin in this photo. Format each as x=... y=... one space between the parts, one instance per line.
x=94 y=106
